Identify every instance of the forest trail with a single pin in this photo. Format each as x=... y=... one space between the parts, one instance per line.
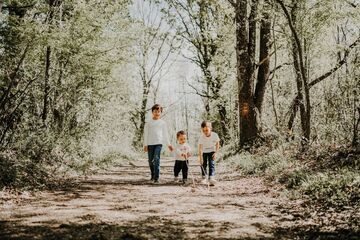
x=121 y=203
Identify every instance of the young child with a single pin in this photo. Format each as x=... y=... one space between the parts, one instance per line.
x=182 y=154
x=155 y=135
x=209 y=145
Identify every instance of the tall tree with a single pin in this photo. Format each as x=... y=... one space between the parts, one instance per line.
x=303 y=83
x=250 y=100
x=200 y=24
x=153 y=51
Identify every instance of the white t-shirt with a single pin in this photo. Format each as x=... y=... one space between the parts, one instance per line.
x=182 y=148
x=209 y=143
x=155 y=132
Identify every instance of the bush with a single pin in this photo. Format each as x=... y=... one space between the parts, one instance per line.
x=271 y=163
x=333 y=189
x=20 y=172
x=294 y=178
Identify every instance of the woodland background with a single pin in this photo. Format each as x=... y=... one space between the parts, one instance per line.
x=279 y=79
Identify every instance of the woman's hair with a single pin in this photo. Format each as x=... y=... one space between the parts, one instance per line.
x=203 y=124
x=180 y=133
x=157 y=107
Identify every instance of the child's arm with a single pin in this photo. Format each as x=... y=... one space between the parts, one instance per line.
x=217 y=147
x=166 y=137
x=200 y=153
x=145 y=137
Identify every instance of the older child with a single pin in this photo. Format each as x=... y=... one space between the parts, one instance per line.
x=155 y=135
x=182 y=155
x=209 y=145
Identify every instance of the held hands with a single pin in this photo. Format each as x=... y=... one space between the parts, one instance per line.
x=170 y=148
x=214 y=156
x=185 y=155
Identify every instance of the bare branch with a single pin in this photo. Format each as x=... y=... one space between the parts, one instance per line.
x=278 y=67
x=263 y=60
x=337 y=66
x=297 y=41
x=352 y=4
x=232 y=2
x=203 y=94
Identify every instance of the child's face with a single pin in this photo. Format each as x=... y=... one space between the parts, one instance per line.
x=156 y=113
x=207 y=129
x=182 y=139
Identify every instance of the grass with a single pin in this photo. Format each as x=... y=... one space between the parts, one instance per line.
x=331 y=179
x=325 y=181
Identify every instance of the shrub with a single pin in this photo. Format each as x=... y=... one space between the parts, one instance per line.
x=271 y=163
x=294 y=178
x=333 y=189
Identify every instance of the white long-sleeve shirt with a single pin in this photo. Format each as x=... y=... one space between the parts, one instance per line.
x=155 y=132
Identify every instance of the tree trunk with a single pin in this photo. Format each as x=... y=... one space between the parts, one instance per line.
x=141 y=114
x=52 y=4
x=303 y=96
x=264 y=59
x=301 y=81
x=355 y=140
x=223 y=122
x=46 y=84
x=247 y=113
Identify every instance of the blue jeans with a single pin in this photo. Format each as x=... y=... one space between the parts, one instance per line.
x=154 y=160
x=208 y=159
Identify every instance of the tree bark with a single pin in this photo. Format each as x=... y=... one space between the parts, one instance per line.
x=46 y=84
x=264 y=58
x=303 y=96
x=301 y=80
x=49 y=20
x=355 y=140
x=247 y=113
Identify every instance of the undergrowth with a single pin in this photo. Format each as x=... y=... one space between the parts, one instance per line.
x=327 y=177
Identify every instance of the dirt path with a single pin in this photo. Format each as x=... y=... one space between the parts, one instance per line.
x=122 y=204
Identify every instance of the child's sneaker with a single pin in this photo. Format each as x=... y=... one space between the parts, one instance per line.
x=184 y=181
x=212 y=181
x=156 y=181
x=176 y=179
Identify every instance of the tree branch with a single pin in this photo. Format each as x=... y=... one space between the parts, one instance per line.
x=204 y=95
x=278 y=67
x=337 y=66
x=297 y=41
x=352 y=4
x=232 y=2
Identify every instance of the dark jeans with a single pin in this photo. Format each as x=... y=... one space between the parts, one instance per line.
x=154 y=160
x=181 y=166
x=208 y=159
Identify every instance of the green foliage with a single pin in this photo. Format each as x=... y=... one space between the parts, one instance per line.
x=271 y=163
x=56 y=64
x=333 y=189
x=332 y=180
x=293 y=178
